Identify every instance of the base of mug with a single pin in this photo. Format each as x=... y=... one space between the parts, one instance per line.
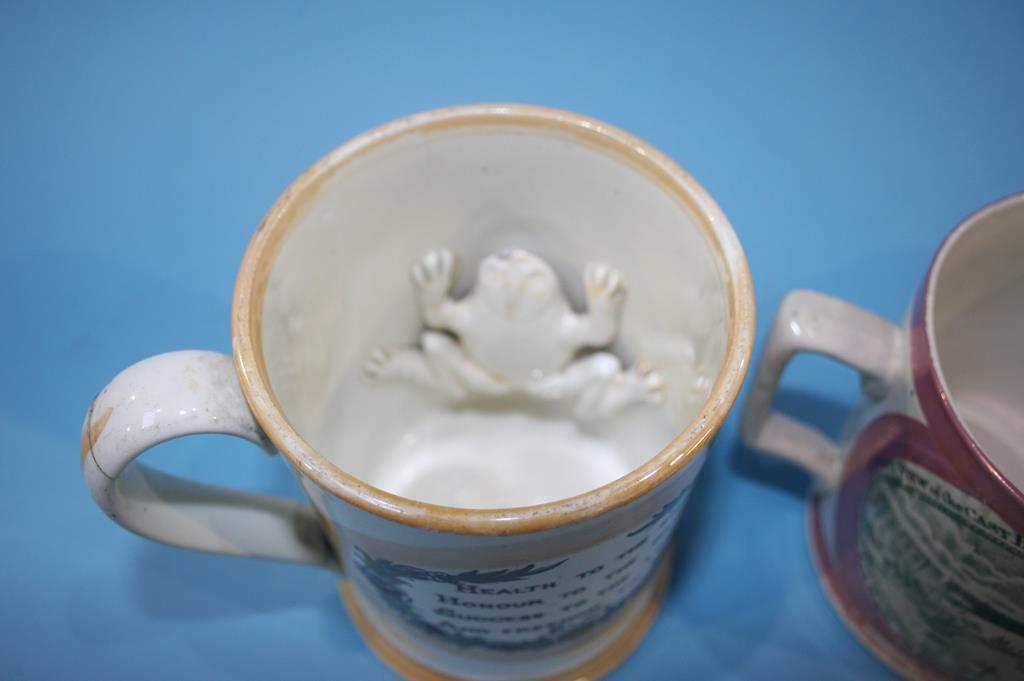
x=630 y=627
x=856 y=621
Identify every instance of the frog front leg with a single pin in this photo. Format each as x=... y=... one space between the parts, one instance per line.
x=606 y=292
x=433 y=275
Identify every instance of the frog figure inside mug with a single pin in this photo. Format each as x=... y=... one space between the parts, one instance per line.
x=516 y=332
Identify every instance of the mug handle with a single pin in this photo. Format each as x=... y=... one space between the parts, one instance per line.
x=813 y=322
x=169 y=396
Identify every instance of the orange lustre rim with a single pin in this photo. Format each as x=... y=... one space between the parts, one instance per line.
x=265 y=244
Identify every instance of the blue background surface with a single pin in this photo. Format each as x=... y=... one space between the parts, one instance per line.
x=140 y=144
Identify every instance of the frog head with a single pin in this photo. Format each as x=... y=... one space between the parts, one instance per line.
x=516 y=285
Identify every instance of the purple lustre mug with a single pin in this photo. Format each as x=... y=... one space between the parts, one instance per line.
x=917 y=520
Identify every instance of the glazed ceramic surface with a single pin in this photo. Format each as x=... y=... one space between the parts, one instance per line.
x=918 y=526
x=492 y=521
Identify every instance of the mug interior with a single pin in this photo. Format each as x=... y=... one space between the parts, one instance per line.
x=336 y=285
x=977 y=330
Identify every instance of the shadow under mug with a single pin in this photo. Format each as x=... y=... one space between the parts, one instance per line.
x=564 y=588
x=917 y=522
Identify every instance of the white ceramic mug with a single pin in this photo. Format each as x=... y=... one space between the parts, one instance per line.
x=917 y=524
x=558 y=576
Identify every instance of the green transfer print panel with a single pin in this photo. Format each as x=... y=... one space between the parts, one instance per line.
x=945 y=572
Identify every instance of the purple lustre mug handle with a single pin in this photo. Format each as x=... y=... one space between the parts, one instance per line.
x=813 y=322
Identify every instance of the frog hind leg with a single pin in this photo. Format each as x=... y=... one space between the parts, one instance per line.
x=602 y=398
x=456 y=370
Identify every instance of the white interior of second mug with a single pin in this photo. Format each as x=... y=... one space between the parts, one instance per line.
x=340 y=286
x=977 y=328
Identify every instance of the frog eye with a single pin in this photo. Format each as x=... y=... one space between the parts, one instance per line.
x=492 y=275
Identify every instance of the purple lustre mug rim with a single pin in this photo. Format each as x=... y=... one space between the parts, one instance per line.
x=940 y=414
